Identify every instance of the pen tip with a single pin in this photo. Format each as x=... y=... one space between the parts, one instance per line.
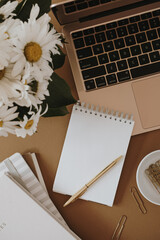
x=65 y=204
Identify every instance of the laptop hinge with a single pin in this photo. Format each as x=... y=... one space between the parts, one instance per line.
x=116 y=10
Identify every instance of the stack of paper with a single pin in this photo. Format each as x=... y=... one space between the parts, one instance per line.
x=27 y=212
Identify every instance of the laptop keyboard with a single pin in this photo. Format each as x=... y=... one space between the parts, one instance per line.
x=119 y=51
x=80 y=5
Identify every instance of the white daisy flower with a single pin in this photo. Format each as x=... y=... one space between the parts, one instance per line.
x=12 y=27
x=34 y=92
x=7 y=123
x=23 y=100
x=29 y=125
x=38 y=92
x=7 y=9
x=34 y=44
x=5 y=47
x=10 y=87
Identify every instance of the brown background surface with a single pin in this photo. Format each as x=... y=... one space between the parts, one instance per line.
x=91 y=221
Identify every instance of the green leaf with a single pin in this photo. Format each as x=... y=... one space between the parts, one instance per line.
x=58 y=59
x=61 y=111
x=60 y=96
x=23 y=9
x=22 y=111
x=60 y=93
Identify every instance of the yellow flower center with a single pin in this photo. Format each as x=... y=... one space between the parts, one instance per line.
x=8 y=35
x=33 y=52
x=29 y=124
x=1 y=123
x=2 y=72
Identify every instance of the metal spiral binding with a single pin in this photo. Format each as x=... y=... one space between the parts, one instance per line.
x=103 y=112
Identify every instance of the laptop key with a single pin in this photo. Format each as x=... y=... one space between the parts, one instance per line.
x=143 y=26
x=146 y=47
x=123 y=76
x=111 y=67
x=77 y=34
x=111 y=79
x=130 y=40
x=125 y=53
x=111 y=34
x=119 y=43
x=152 y=34
x=141 y=37
x=145 y=70
x=156 y=44
x=134 y=19
x=133 y=62
x=69 y=4
x=84 y=52
x=143 y=59
x=135 y=50
x=79 y=1
x=111 y=25
x=156 y=13
x=90 y=84
x=79 y=43
x=154 y=22
x=89 y=40
x=146 y=15
x=100 y=37
x=82 y=6
x=123 y=22
x=114 y=56
x=100 y=81
x=88 y=62
x=70 y=9
x=88 y=31
x=108 y=46
x=133 y=28
x=122 y=31
x=105 y=1
x=93 y=72
x=93 y=3
x=155 y=56
x=158 y=31
x=103 y=58
x=122 y=65
x=97 y=49
x=100 y=28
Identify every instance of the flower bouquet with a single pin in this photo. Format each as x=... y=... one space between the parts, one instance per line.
x=30 y=51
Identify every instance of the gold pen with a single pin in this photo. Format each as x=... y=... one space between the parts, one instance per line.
x=86 y=186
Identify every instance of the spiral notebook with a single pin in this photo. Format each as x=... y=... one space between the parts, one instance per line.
x=95 y=137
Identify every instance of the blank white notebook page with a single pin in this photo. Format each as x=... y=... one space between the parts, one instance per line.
x=25 y=218
x=31 y=183
x=93 y=140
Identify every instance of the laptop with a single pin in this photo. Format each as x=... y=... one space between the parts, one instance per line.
x=114 y=51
